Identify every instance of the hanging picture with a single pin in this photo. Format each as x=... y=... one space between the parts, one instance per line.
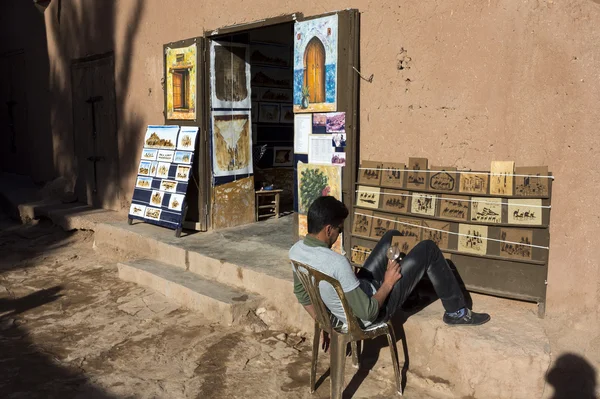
x=360 y=254
x=472 y=239
x=183 y=157
x=286 y=114
x=315 y=180
x=454 y=207
x=370 y=173
x=180 y=68
x=525 y=211
x=423 y=204
x=531 y=181
x=315 y=64
x=436 y=232
x=395 y=200
x=516 y=243
x=475 y=183
x=417 y=173
x=187 y=138
x=271 y=77
x=338 y=158
x=274 y=95
x=268 y=113
x=410 y=234
x=161 y=137
x=381 y=224
x=231 y=143
x=283 y=156
x=229 y=75
x=486 y=210
x=336 y=122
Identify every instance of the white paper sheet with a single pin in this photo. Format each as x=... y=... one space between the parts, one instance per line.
x=302 y=130
x=320 y=149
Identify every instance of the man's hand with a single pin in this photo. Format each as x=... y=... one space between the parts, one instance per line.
x=324 y=341
x=392 y=274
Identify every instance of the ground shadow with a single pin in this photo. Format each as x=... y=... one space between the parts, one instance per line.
x=28 y=370
x=572 y=376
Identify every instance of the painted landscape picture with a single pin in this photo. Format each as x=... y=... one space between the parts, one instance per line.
x=230 y=75
x=231 y=143
x=315 y=64
x=161 y=137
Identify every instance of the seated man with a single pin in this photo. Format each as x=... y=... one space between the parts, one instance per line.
x=382 y=285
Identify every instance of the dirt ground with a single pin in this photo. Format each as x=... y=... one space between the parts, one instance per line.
x=70 y=328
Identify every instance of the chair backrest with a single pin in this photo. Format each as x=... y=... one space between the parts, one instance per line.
x=310 y=279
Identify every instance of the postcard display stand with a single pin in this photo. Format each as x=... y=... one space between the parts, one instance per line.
x=493 y=226
x=164 y=170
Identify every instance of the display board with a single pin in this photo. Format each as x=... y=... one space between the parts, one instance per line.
x=164 y=171
x=500 y=217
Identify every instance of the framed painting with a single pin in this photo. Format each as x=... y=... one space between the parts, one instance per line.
x=180 y=82
x=229 y=75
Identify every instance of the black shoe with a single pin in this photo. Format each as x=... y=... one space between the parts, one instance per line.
x=469 y=319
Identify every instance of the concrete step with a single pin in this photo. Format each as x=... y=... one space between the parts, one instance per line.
x=213 y=300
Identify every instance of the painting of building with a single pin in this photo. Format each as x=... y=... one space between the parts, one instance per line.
x=232 y=153
x=315 y=64
x=180 y=66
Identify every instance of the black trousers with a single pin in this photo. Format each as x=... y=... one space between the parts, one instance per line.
x=425 y=257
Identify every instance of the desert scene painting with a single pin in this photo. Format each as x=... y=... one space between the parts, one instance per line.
x=231 y=144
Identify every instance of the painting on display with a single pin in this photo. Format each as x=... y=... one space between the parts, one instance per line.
x=268 y=113
x=161 y=186
x=525 y=211
x=283 y=156
x=316 y=180
x=516 y=243
x=286 y=114
x=180 y=68
x=274 y=95
x=360 y=254
x=368 y=197
x=417 y=173
x=486 y=210
x=229 y=75
x=501 y=177
x=315 y=64
x=530 y=181
x=395 y=200
x=472 y=239
x=410 y=234
x=381 y=224
x=437 y=232
x=423 y=204
x=231 y=143
x=370 y=173
x=363 y=221
x=454 y=207
x=442 y=178
x=392 y=174
x=271 y=77
x=475 y=183
x=269 y=54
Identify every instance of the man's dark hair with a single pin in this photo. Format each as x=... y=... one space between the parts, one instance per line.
x=323 y=211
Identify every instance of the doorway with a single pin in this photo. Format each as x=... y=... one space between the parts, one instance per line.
x=95 y=132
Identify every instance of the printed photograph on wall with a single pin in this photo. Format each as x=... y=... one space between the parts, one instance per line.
x=363 y=220
x=316 y=180
x=229 y=75
x=395 y=200
x=392 y=174
x=417 y=173
x=472 y=239
x=525 y=211
x=180 y=67
x=336 y=122
x=436 y=232
x=423 y=204
x=501 y=177
x=283 y=156
x=368 y=197
x=231 y=143
x=530 y=181
x=319 y=123
x=442 y=178
x=315 y=64
x=338 y=158
x=161 y=137
x=486 y=210
x=338 y=140
x=517 y=243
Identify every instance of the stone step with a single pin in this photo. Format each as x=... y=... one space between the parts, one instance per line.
x=214 y=300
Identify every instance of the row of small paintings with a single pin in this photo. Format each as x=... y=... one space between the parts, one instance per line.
x=170 y=138
x=164 y=170
x=503 y=179
x=272 y=113
x=166 y=185
x=150 y=154
x=486 y=210
x=160 y=199
x=511 y=243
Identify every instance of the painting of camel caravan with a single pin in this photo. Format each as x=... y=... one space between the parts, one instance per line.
x=161 y=137
x=232 y=153
x=315 y=64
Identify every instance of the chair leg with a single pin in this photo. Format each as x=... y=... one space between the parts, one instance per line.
x=315 y=355
x=354 y=354
x=395 y=359
x=337 y=364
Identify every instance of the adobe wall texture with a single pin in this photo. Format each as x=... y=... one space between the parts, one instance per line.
x=457 y=82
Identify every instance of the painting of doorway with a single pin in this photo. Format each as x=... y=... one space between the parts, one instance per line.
x=181 y=82
x=315 y=64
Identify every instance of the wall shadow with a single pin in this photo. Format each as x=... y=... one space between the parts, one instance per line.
x=572 y=376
